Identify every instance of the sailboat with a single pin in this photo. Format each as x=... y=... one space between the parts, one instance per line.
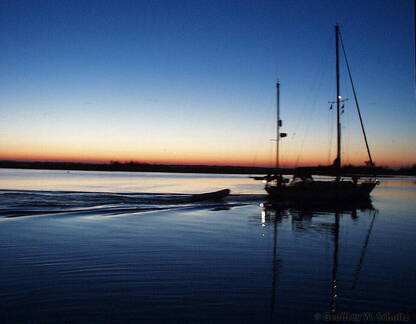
x=303 y=186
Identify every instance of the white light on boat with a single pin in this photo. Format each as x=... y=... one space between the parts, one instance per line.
x=339 y=97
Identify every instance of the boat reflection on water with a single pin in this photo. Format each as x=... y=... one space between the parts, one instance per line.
x=300 y=212
x=301 y=216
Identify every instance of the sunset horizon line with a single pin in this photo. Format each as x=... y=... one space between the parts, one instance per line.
x=177 y=163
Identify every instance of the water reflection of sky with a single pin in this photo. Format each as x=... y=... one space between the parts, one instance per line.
x=125 y=181
x=360 y=254
x=244 y=263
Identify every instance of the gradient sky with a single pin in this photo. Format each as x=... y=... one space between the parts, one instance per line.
x=194 y=81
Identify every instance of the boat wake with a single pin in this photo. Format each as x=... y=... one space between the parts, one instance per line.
x=17 y=203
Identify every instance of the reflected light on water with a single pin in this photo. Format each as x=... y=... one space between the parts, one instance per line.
x=13 y=179
x=263 y=217
x=233 y=260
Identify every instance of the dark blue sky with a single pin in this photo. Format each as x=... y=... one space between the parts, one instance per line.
x=168 y=80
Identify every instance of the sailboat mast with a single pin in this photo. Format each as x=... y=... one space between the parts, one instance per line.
x=279 y=122
x=338 y=159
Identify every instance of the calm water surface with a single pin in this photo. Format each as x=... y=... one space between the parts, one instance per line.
x=96 y=247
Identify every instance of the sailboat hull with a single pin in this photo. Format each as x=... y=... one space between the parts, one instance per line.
x=321 y=190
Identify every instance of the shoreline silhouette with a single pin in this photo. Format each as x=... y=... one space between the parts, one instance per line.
x=215 y=169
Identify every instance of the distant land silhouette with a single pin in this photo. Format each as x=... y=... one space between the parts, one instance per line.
x=146 y=167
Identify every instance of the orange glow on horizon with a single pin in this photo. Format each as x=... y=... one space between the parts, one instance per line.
x=153 y=160
x=212 y=161
x=188 y=153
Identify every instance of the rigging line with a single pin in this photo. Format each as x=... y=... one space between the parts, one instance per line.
x=329 y=133
x=357 y=105
x=305 y=135
x=346 y=131
x=274 y=261
x=319 y=76
x=334 y=282
x=271 y=154
x=331 y=137
x=363 y=252
x=254 y=158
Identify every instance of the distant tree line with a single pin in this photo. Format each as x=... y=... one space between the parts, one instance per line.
x=148 y=167
x=133 y=167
